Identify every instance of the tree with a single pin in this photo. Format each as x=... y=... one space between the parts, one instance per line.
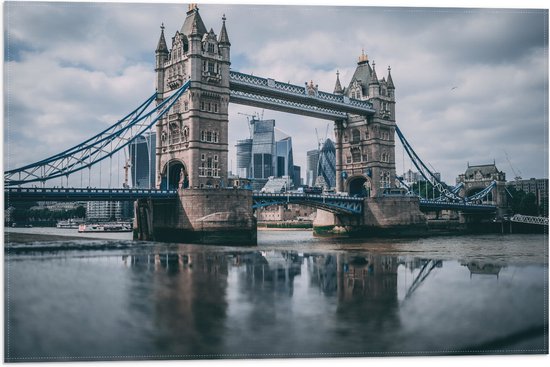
x=80 y=212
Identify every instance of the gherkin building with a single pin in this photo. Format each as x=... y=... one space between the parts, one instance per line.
x=326 y=169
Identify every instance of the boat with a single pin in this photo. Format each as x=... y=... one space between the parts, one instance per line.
x=68 y=224
x=105 y=227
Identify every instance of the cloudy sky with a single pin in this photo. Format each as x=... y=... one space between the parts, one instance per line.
x=471 y=84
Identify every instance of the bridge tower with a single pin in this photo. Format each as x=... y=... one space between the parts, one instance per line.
x=192 y=138
x=191 y=150
x=365 y=146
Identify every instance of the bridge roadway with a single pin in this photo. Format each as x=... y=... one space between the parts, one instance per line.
x=84 y=194
x=332 y=203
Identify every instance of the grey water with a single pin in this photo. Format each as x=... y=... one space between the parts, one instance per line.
x=294 y=295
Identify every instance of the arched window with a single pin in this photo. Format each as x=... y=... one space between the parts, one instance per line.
x=385 y=179
x=355 y=136
x=356 y=155
x=185 y=133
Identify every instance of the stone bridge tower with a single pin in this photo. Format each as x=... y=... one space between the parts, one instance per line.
x=192 y=137
x=191 y=151
x=365 y=147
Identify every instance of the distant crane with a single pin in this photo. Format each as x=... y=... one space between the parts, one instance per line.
x=251 y=118
x=126 y=167
x=517 y=175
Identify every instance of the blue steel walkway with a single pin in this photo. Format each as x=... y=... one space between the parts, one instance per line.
x=70 y=194
x=331 y=203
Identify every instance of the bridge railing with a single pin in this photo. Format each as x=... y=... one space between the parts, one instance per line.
x=296 y=90
x=519 y=218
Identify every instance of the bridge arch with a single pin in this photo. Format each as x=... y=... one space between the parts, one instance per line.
x=174 y=175
x=358 y=185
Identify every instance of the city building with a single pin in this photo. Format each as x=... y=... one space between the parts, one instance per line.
x=311 y=168
x=411 y=176
x=244 y=158
x=297 y=176
x=267 y=153
x=289 y=212
x=104 y=211
x=143 y=163
x=326 y=168
x=537 y=186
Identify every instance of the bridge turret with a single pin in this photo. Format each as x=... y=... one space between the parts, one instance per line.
x=338 y=87
x=224 y=47
x=374 y=84
x=161 y=56
x=391 y=87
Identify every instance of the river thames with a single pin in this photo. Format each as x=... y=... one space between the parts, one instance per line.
x=294 y=295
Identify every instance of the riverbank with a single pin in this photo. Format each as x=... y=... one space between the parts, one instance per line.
x=15 y=237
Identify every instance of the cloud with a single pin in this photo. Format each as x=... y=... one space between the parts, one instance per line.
x=74 y=68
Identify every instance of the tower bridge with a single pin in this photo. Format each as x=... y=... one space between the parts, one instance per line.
x=189 y=111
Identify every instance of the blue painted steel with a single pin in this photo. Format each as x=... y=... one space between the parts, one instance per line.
x=265 y=92
x=483 y=193
x=12 y=194
x=331 y=203
x=425 y=171
x=460 y=206
x=97 y=148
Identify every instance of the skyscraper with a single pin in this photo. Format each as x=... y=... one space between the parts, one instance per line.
x=267 y=153
x=311 y=169
x=244 y=158
x=142 y=158
x=326 y=169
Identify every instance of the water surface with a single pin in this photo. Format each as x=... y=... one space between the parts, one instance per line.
x=293 y=295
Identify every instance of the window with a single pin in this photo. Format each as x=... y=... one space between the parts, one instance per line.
x=203 y=157
x=215 y=158
x=348 y=159
x=215 y=107
x=209 y=136
x=356 y=155
x=355 y=136
x=202 y=106
x=210 y=67
x=210 y=48
x=385 y=179
x=186 y=106
x=345 y=138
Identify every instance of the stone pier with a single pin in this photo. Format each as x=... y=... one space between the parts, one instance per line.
x=382 y=216
x=209 y=216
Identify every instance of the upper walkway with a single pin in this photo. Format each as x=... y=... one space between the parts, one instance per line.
x=305 y=100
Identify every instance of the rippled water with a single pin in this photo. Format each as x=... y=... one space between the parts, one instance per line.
x=293 y=295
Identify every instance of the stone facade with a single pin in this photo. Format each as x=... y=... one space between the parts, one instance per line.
x=191 y=149
x=391 y=215
x=365 y=146
x=192 y=137
x=212 y=216
x=477 y=178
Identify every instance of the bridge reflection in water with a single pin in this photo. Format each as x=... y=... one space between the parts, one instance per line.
x=187 y=301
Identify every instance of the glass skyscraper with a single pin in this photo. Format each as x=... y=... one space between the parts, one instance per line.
x=311 y=169
x=326 y=169
x=142 y=159
x=267 y=153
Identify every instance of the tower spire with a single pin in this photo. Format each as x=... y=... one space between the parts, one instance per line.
x=374 y=77
x=390 y=80
x=161 y=46
x=338 y=87
x=224 y=38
